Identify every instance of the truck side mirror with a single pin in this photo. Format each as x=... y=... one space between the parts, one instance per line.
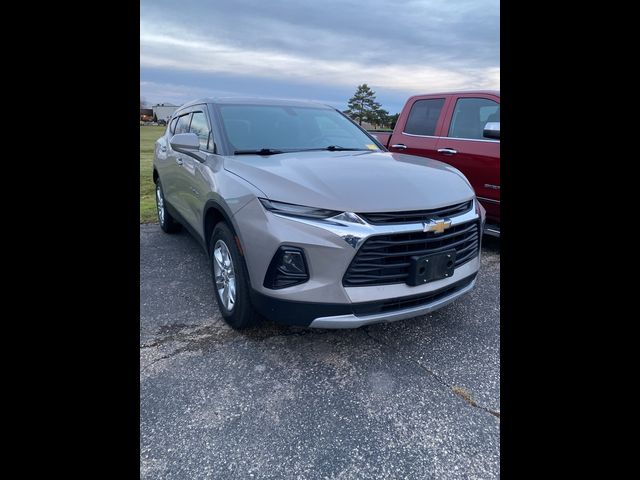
x=492 y=130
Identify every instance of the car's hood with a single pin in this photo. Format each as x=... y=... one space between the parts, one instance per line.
x=353 y=181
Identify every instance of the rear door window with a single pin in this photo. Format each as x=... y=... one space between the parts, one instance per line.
x=423 y=117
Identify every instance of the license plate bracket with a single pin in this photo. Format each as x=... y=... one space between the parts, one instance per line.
x=428 y=268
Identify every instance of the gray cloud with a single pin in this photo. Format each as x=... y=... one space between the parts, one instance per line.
x=413 y=46
x=464 y=33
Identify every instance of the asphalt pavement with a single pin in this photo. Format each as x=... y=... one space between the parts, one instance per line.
x=414 y=399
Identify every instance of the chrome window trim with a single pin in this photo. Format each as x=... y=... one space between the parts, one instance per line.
x=451 y=138
x=356 y=231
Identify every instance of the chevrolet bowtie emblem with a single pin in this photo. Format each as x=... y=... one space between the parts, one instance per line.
x=436 y=226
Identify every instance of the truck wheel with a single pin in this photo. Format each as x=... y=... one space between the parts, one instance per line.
x=230 y=279
x=167 y=222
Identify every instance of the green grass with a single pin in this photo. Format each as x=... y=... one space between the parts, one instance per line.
x=148 y=137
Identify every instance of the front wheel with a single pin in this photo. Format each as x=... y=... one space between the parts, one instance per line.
x=167 y=222
x=230 y=279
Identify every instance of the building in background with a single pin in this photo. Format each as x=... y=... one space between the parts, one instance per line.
x=146 y=114
x=163 y=111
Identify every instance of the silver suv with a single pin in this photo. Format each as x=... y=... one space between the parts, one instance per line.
x=308 y=220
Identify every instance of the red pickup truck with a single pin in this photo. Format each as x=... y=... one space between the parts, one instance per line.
x=458 y=128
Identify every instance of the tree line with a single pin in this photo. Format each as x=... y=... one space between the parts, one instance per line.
x=362 y=107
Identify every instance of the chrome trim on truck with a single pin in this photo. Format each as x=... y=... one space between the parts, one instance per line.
x=492 y=230
x=488 y=200
x=450 y=138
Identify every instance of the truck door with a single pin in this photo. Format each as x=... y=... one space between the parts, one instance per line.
x=420 y=123
x=464 y=146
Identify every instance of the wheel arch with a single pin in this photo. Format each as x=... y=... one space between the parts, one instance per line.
x=215 y=212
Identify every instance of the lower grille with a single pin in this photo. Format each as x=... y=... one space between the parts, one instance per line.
x=395 y=304
x=385 y=259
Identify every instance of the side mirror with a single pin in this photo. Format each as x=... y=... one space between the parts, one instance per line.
x=492 y=130
x=185 y=141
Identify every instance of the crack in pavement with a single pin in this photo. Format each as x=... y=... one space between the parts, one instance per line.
x=205 y=337
x=164 y=357
x=458 y=391
x=255 y=334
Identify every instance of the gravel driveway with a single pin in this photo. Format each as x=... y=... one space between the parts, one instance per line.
x=418 y=398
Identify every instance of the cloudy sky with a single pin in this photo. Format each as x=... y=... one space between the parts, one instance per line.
x=316 y=50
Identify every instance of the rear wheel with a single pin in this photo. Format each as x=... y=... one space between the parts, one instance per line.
x=167 y=222
x=230 y=279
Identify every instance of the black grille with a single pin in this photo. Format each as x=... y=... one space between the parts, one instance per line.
x=416 y=216
x=385 y=259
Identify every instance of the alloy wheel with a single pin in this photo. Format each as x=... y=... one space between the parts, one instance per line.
x=160 y=204
x=224 y=274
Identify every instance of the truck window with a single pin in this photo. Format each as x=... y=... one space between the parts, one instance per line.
x=471 y=115
x=423 y=117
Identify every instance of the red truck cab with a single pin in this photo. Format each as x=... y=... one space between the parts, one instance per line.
x=458 y=128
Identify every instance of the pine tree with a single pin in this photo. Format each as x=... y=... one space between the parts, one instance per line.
x=393 y=119
x=363 y=105
x=379 y=117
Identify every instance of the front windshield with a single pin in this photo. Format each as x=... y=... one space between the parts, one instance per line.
x=286 y=128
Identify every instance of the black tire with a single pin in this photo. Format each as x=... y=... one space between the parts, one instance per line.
x=241 y=314
x=167 y=223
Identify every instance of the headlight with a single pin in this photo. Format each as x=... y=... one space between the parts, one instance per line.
x=292 y=210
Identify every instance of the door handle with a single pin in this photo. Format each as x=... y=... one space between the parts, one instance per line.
x=179 y=161
x=401 y=146
x=447 y=151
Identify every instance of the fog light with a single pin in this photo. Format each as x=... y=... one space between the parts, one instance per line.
x=292 y=262
x=287 y=268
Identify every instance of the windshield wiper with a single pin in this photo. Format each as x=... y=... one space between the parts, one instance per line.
x=331 y=148
x=262 y=151
x=271 y=151
x=338 y=148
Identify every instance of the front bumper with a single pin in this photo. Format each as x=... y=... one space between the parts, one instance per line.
x=323 y=301
x=327 y=315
